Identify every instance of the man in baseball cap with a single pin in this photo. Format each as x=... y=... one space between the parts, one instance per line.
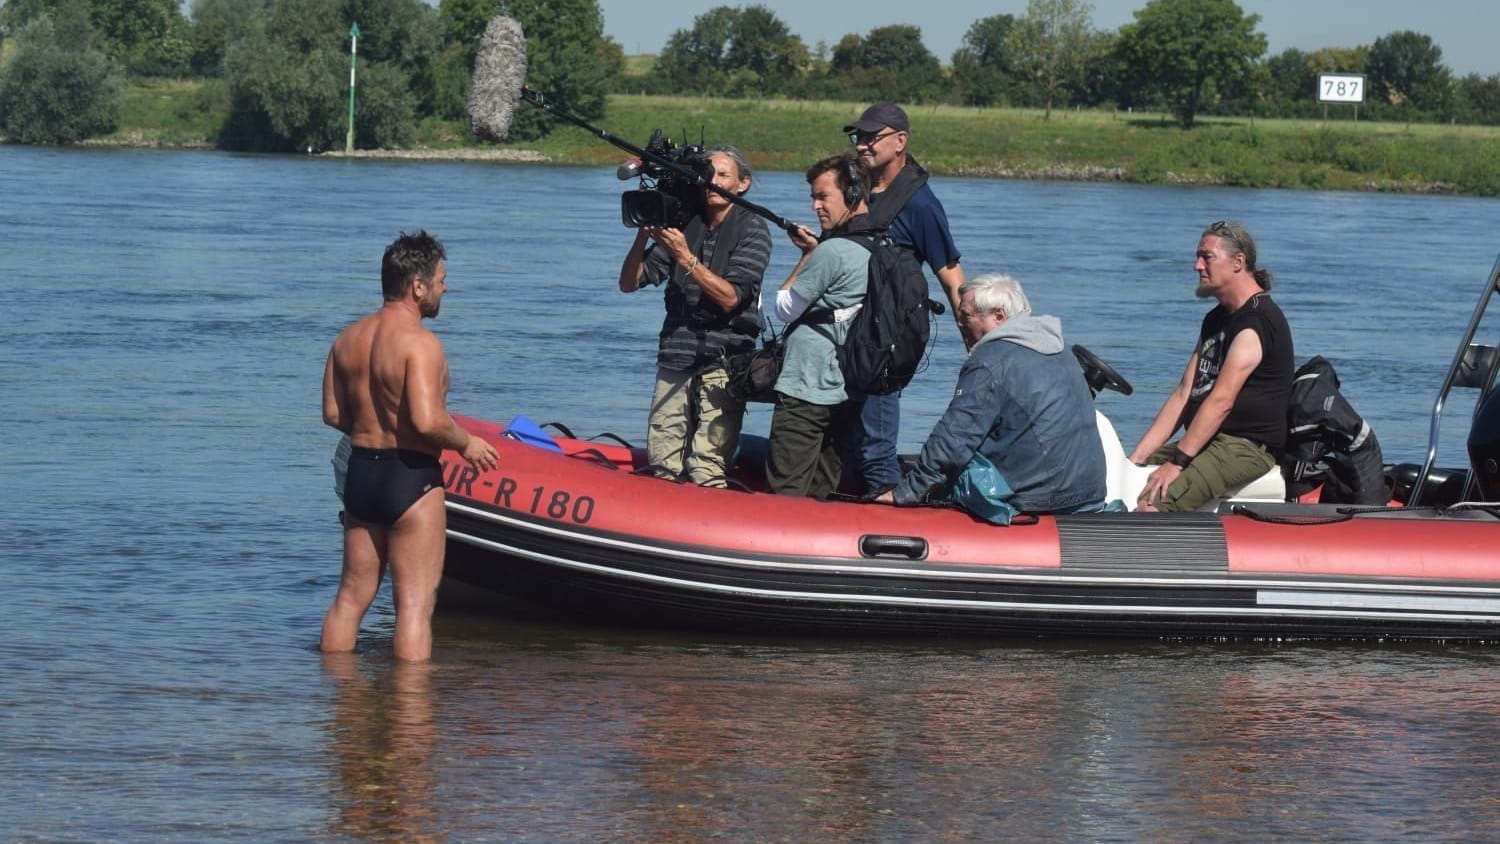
x=901 y=203
x=880 y=116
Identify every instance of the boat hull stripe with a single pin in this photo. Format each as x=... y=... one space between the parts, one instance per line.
x=1344 y=600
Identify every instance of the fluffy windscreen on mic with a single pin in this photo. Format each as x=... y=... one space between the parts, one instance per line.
x=499 y=75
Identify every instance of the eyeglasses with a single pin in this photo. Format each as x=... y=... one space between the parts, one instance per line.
x=860 y=139
x=974 y=316
x=1220 y=227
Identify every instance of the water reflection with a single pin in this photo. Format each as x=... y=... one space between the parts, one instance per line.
x=382 y=734
x=161 y=604
x=547 y=735
x=718 y=748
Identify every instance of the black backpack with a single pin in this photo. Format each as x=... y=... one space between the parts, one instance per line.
x=887 y=338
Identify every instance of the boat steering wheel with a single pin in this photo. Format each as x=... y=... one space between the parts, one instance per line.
x=1100 y=375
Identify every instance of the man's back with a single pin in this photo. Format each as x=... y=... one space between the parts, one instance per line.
x=373 y=361
x=1044 y=438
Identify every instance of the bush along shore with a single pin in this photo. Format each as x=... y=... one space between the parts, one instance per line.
x=1337 y=154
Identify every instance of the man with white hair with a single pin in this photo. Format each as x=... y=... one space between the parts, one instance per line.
x=1021 y=403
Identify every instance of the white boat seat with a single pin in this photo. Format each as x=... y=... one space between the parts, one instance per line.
x=1268 y=487
x=1125 y=480
x=1120 y=481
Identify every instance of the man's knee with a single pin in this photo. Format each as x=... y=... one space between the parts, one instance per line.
x=1190 y=491
x=1226 y=463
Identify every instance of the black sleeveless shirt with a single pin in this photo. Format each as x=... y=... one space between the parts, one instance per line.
x=1259 y=411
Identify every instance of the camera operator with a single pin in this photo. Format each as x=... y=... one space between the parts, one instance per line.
x=712 y=271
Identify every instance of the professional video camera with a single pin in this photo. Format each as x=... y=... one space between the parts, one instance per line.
x=668 y=196
x=673 y=178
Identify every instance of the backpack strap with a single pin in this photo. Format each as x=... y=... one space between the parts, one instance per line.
x=891 y=200
x=867 y=237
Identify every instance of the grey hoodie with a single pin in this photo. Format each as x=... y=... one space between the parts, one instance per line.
x=1038 y=333
x=1025 y=406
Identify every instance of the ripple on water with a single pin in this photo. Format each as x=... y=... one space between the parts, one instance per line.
x=171 y=541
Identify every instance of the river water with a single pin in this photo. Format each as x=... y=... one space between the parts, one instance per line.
x=172 y=540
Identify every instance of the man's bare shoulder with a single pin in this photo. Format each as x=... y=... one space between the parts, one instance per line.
x=359 y=330
x=399 y=341
x=385 y=327
x=414 y=337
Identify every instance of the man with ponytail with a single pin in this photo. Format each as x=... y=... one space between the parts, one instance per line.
x=1232 y=400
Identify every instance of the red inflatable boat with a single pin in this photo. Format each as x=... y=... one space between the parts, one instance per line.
x=576 y=529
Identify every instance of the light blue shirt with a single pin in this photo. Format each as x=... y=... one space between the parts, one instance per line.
x=834 y=277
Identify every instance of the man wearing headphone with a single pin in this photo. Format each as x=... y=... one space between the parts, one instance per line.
x=814 y=415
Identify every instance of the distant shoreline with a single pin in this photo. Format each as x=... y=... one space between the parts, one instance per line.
x=528 y=156
x=1049 y=173
x=140 y=141
x=1075 y=146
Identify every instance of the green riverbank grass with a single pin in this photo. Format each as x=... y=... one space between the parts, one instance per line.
x=171 y=112
x=1015 y=143
x=1339 y=154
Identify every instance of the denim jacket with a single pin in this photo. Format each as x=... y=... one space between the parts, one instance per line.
x=1022 y=402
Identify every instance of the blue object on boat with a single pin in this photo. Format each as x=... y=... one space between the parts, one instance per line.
x=523 y=429
x=983 y=491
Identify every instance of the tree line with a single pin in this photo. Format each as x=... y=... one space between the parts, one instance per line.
x=1186 y=57
x=278 y=69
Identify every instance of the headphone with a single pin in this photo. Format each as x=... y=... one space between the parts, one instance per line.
x=855 y=180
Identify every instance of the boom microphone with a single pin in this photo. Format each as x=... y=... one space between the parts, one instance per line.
x=499 y=80
x=499 y=76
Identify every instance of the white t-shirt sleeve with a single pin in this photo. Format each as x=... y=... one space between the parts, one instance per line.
x=789 y=305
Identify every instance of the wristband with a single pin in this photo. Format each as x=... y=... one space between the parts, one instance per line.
x=691 y=267
x=1179 y=459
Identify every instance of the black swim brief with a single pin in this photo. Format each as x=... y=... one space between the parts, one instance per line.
x=383 y=483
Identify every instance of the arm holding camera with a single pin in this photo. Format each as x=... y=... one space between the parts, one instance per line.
x=720 y=291
x=789 y=303
x=804 y=238
x=633 y=271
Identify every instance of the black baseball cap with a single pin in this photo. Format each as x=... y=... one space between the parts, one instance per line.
x=879 y=116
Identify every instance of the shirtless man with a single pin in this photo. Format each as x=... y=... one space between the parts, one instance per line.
x=384 y=386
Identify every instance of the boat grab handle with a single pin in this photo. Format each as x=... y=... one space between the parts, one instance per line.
x=893 y=547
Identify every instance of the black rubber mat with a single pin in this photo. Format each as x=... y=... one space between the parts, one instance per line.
x=1143 y=543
